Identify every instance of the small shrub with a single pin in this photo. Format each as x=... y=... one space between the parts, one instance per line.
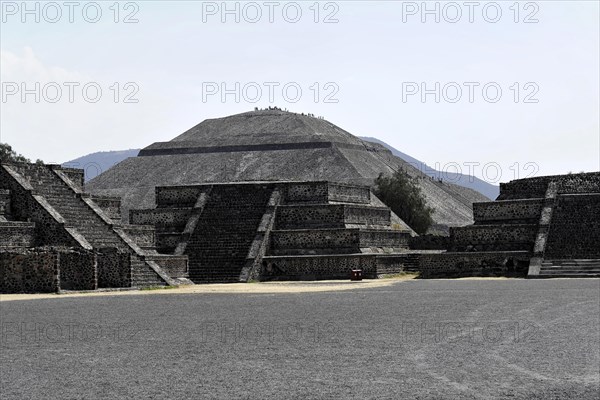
x=403 y=196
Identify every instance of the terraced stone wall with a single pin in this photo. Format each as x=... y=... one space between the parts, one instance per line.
x=161 y=217
x=313 y=216
x=514 y=211
x=384 y=239
x=536 y=187
x=333 y=239
x=348 y=193
x=493 y=237
x=456 y=265
x=579 y=183
x=316 y=192
x=530 y=188
x=575 y=228
x=178 y=196
x=333 y=267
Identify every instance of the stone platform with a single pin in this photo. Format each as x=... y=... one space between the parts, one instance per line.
x=274 y=230
x=55 y=236
x=538 y=227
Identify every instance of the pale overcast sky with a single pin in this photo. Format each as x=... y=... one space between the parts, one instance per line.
x=375 y=61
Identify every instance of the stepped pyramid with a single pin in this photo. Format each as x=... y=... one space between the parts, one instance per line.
x=235 y=232
x=542 y=227
x=271 y=145
x=44 y=213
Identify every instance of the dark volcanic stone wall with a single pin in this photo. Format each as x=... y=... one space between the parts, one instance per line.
x=327 y=267
x=531 y=188
x=456 y=265
x=493 y=237
x=17 y=234
x=536 y=187
x=510 y=211
x=349 y=193
x=367 y=215
x=325 y=241
x=326 y=215
x=160 y=218
x=77 y=270
x=575 y=228
x=114 y=268
x=314 y=192
x=322 y=192
x=177 y=196
x=29 y=271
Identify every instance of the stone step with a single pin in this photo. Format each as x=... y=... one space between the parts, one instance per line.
x=161 y=218
x=325 y=192
x=334 y=241
x=568 y=274
x=570 y=267
x=493 y=234
x=571 y=263
x=329 y=216
x=591 y=270
x=508 y=211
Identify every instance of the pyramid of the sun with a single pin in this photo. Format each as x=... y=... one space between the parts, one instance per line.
x=270 y=145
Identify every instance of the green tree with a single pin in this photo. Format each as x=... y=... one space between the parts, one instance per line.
x=403 y=196
x=8 y=154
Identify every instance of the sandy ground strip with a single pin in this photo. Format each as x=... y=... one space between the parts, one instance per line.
x=250 y=288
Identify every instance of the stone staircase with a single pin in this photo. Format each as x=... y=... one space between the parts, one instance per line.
x=71 y=206
x=83 y=218
x=218 y=247
x=582 y=268
x=214 y=225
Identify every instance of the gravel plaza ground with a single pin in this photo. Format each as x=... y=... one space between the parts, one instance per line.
x=384 y=339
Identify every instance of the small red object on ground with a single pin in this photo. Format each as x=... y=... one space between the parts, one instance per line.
x=356 y=275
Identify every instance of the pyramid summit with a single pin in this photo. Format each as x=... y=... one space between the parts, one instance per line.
x=263 y=130
x=271 y=145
